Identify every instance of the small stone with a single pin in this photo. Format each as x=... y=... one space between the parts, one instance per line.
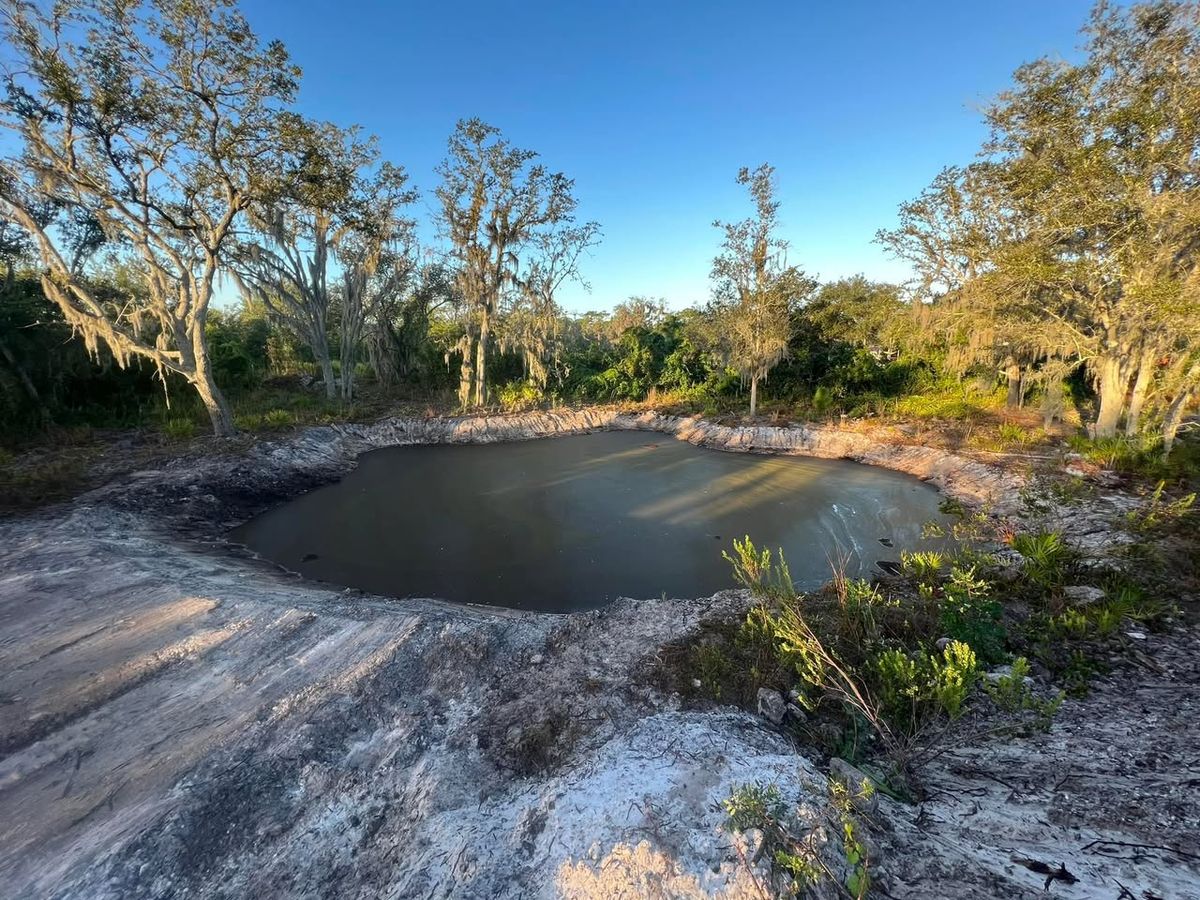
x=796 y=714
x=1136 y=635
x=994 y=675
x=697 y=683
x=771 y=705
x=942 y=643
x=536 y=659
x=1083 y=594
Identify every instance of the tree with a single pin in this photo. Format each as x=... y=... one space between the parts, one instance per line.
x=378 y=260
x=754 y=289
x=636 y=312
x=1081 y=218
x=160 y=123
x=339 y=207
x=860 y=312
x=531 y=327
x=494 y=201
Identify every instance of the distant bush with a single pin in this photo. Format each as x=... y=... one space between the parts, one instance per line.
x=519 y=395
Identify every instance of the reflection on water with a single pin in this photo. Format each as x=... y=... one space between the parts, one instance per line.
x=573 y=523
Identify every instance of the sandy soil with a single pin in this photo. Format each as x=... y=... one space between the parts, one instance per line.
x=179 y=720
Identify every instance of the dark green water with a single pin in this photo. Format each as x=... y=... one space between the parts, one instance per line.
x=572 y=523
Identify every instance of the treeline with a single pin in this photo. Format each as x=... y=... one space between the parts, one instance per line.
x=162 y=160
x=1072 y=240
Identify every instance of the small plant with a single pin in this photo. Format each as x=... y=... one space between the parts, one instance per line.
x=1047 y=557
x=1158 y=515
x=1135 y=604
x=753 y=569
x=713 y=668
x=520 y=395
x=858 y=877
x=279 y=418
x=755 y=806
x=969 y=614
x=1013 y=695
x=951 y=507
x=1072 y=623
x=915 y=688
x=1078 y=673
x=179 y=429
x=1011 y=433
x=793 y=847
x=923 y=565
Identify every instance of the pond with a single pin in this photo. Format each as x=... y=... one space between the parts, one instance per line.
x=572 y=523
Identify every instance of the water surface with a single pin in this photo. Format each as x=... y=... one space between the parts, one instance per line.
x=572 y=523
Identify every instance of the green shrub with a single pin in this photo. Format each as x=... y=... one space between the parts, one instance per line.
x=1013 y=696
x=754 y=570
x=968 y=613
x=712 y=669
x=1158 y=515
x=278 y=418
x=1011 y=433
x=519 y=395
x=794 y=847
x=923 y=565
x=1047 y=557
x=179 y=429
x=917 y=687
x=822 y=400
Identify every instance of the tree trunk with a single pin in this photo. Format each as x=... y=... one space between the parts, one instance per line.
x=753 y=395
x=1112 y=397
x=1141 y=386
x=485 y=325
x=1012 y=371
x=1175 y=411
x=320 y=348
x=466 y=377
x=1052 y=403
x=1174 y=418
x=349 y=354
x=214 y=401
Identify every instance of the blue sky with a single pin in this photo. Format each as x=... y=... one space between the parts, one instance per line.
x=652 y=107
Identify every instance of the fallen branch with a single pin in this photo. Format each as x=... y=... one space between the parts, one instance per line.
x=1034 y=865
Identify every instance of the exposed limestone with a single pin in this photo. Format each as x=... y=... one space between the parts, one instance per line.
x=179 y=720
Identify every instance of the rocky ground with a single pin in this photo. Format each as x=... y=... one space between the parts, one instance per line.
x=178 y=719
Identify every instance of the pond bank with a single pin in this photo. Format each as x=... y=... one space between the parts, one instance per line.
x=183 y=722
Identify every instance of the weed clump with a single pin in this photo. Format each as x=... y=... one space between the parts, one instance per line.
x=793 y=844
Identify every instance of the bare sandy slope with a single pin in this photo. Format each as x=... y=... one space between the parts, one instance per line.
x=177 y=720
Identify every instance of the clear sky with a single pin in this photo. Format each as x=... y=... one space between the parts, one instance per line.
x=652 y=107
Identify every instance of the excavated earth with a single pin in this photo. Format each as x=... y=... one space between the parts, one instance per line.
x=180 y=719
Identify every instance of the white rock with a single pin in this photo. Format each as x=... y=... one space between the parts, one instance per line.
x=1083 y=594
x=771 y=705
